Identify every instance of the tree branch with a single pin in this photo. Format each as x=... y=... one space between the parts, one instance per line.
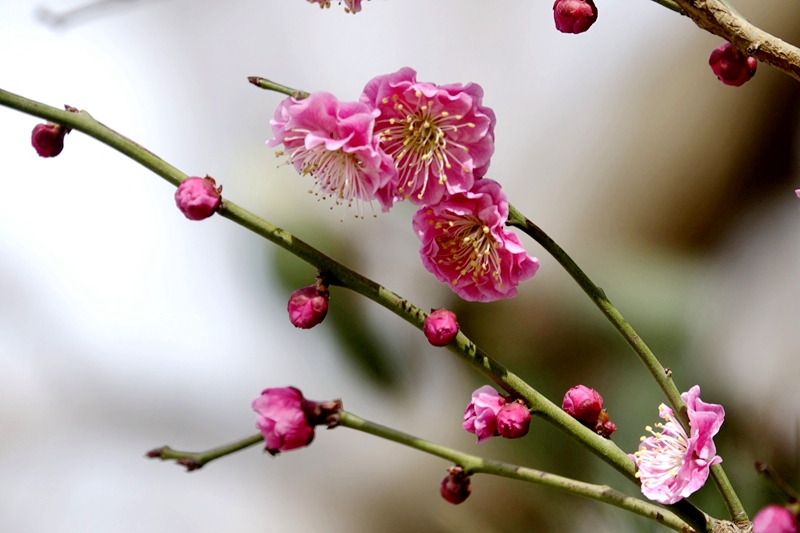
x=196 y=460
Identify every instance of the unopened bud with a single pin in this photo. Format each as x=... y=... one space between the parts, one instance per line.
x=574 y=16
x=198 y=198
x=583 y=403
x=48 y=139
x=513 y=420
x=774 y=519
x=731 y=66
x=308 y=306
x=440 y=327
x=455 y=487
x=604 y=427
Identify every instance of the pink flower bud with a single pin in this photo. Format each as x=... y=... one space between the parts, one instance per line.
x=574 y=16
x=198 y=198
x=774 y=519
x=480 y=416
x=731 y=66
x=308 y=306
x=455 y=487
x=604 y=427
x=583 y=403
x=48 y=139
x=282 y=420
x=440 y=327
x=513 y=420
x=797 y=192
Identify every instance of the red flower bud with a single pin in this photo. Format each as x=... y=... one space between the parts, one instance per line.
x=440 y=327
x=583 y=403
x=604 y=427
x=455 y=487
x=513 y=420
x=48 y=139
x=731 y=66
x=574 y=16
x=308 y=306
x=198 y=198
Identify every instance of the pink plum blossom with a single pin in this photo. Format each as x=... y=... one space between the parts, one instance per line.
x=334 y=142
x=440 y=327
x=583 y=403
x=198 y=198
x=774 y=519
x=513 y=420
x=282 y=419
x=671 y=464
x=440 y=137
x=731 y=66
x=574 y=16
x=464 y=244
x=480 y=416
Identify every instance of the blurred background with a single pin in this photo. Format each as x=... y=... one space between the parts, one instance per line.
x=124 y=326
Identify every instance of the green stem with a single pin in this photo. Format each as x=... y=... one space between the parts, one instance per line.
x=196 y=460
x=339 y=274
x=477 y=465
x=659 y=373
x=277 y=87
x=669 y=4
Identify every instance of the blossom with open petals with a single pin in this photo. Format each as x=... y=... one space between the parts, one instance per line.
x=671 y=464
x=334 y=142
x=464 y=244
x=440 y=137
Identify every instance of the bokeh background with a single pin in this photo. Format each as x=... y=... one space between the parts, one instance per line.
x=123 y=326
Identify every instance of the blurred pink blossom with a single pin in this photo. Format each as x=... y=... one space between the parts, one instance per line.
x=440 y=137
x=671 y=464
x=282 y=420
x=774 y=519
x=465 y=245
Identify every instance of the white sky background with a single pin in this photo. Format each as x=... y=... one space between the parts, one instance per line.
x=124 y=326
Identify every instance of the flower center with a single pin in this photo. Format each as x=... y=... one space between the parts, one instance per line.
x=466 y=245
x=662 y=455
x=418 y=142
x=337 y=173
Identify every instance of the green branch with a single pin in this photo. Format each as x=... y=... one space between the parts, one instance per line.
x=477 y=465
x=659 y=373
x=196 y=460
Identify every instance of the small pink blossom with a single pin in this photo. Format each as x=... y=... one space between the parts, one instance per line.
x=583 y=403
x=282 y=419
x=440 y=137
x=671 y=464
x=774 y=519
x=198 y=198
x=731 y=66
x=308 y=306
x=480 y=416
x=440 y=327
x=574 y=16
x=513 y=420
x=455 y=487
x=48 y=139
x=334 y=142
x=465 y=245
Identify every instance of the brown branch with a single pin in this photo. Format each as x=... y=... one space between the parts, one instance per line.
x=717 y=17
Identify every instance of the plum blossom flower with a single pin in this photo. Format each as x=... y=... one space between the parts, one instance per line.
x=440 y=327
x=480 y=416
x=464 y=244
x=198 y=198
x=774 y=519
x=308 y=306
x=583 y=403
x=513 y=420
x=48 y=139
x=731 y=66
x=440 y=137
x=334 y=142
x=574 y=16
x=455 y=487
x=671 y=464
